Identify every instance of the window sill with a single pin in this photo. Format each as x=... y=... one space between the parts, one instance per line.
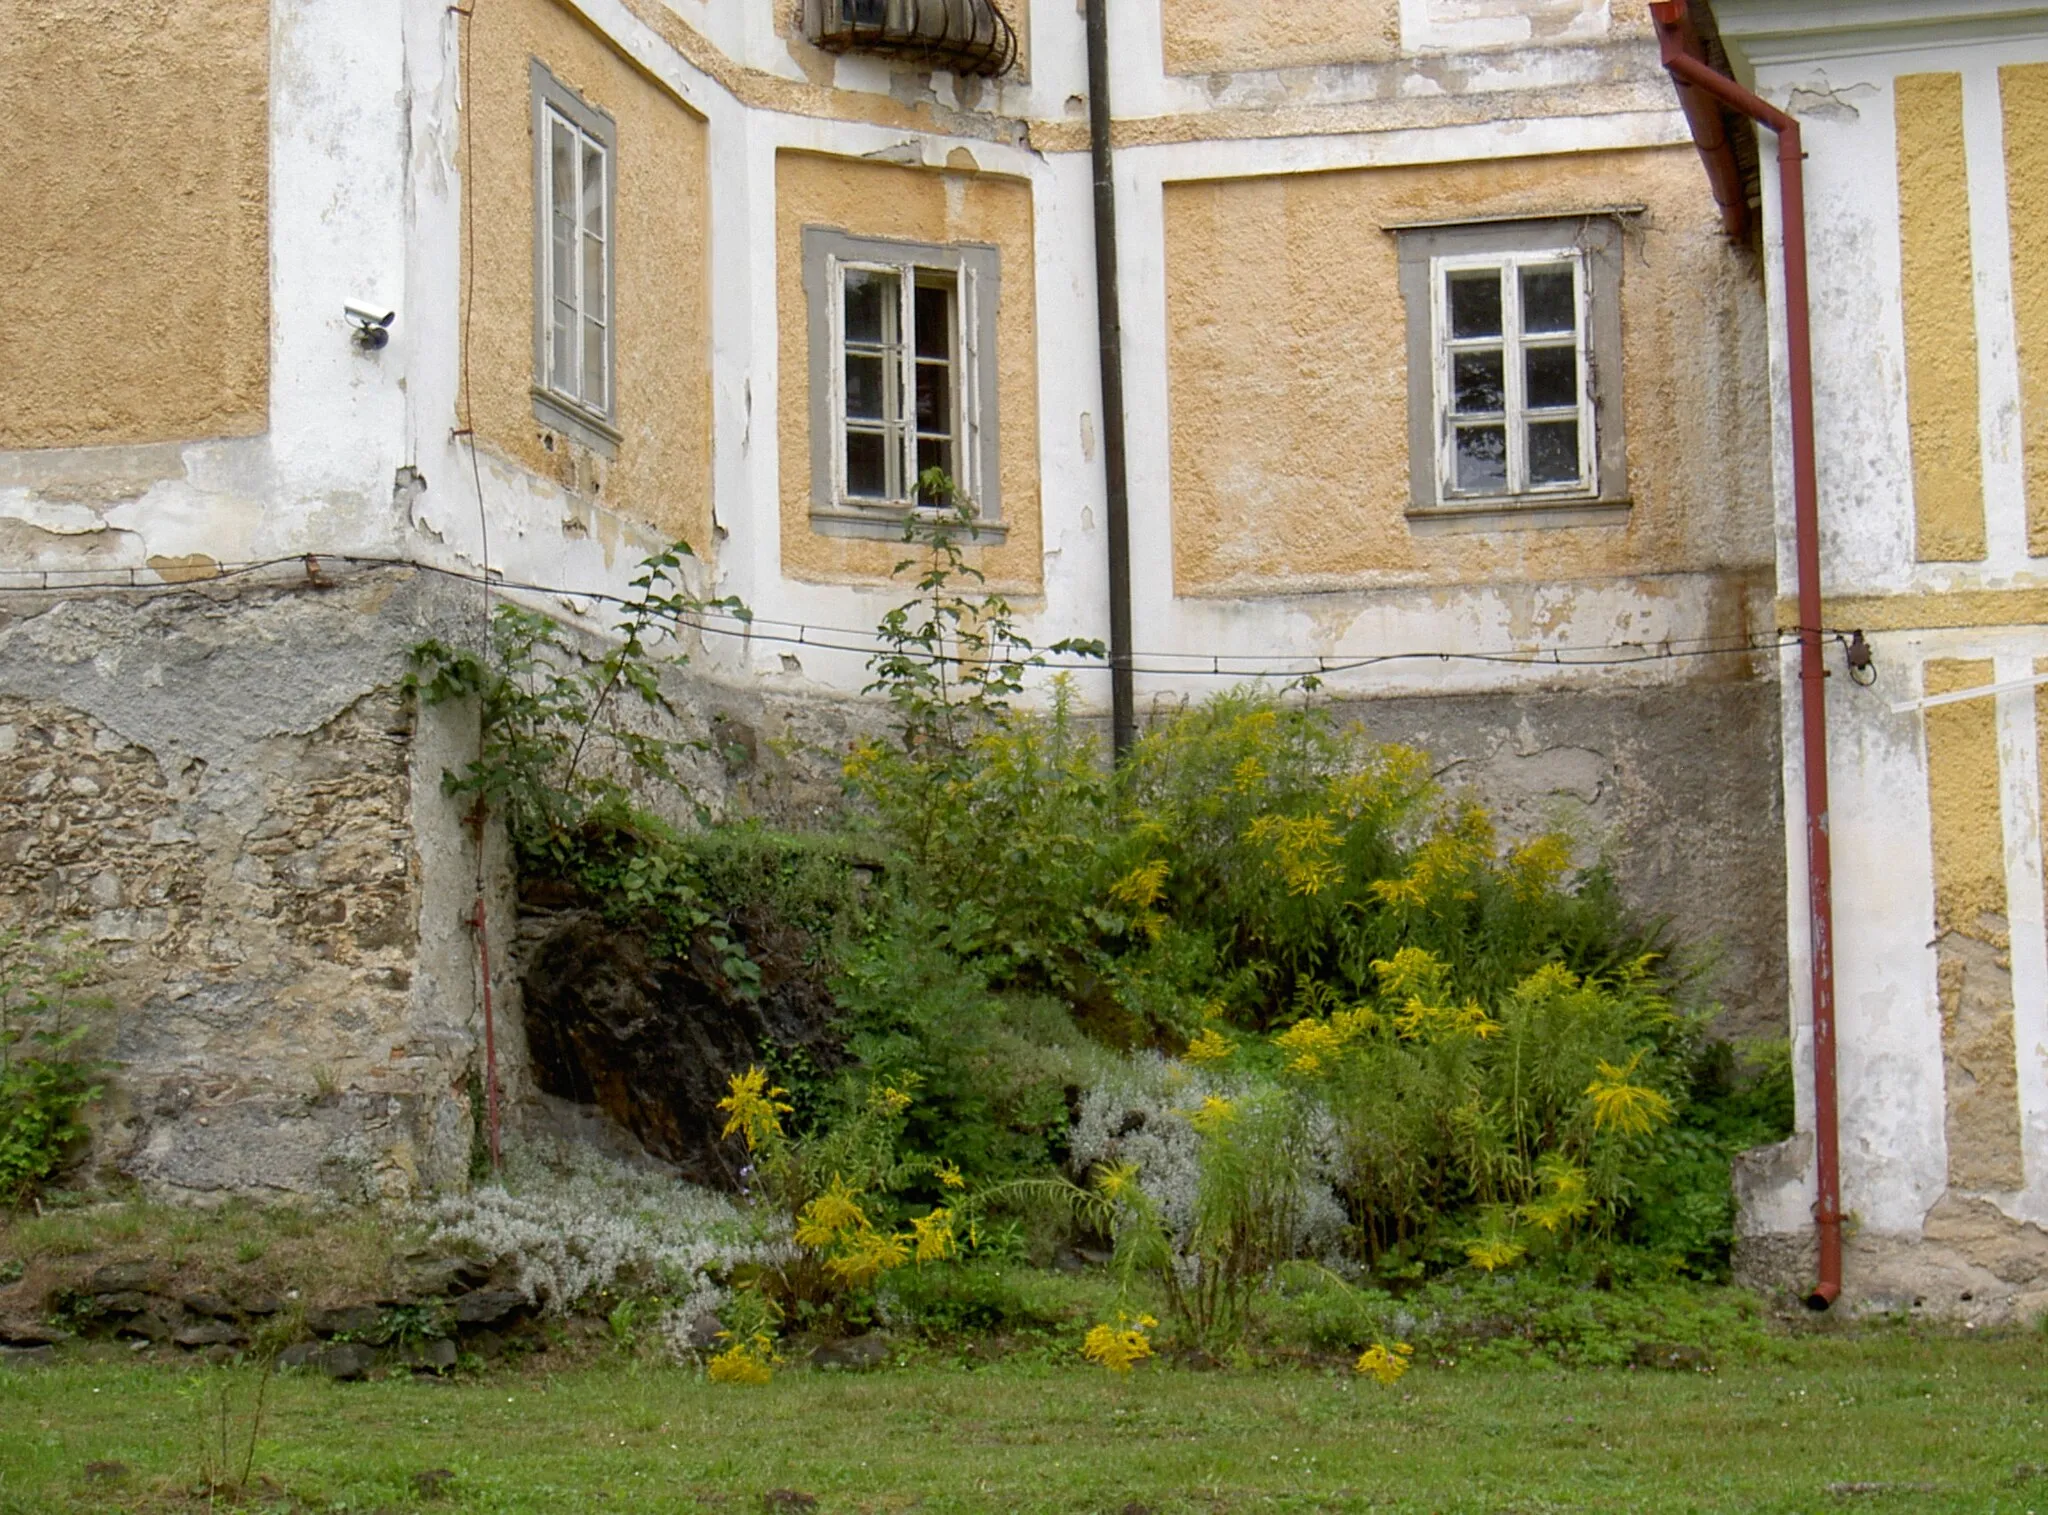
x=900 y=523
x=1516 y=515
x=576 y=423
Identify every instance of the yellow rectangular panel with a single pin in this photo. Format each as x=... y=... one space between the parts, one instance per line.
x=2023 y=92
x=135 y=254
x=1941 y=319
x=1972 y=945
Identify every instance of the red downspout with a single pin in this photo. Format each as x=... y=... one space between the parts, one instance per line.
x=1683 y=57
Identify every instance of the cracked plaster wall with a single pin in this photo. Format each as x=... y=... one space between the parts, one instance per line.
x=230 y=801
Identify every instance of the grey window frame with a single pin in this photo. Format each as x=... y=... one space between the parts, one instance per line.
x=596 y=427
x=827 y=252
x=1595 y=241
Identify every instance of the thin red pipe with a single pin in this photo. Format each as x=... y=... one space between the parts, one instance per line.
x=1682 y=57
x=483 y=953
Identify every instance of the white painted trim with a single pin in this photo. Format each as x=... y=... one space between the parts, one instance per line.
x=1956 y=697
x=1998 y=367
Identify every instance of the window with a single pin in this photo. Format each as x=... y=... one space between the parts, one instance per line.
x=574 y=179
x=902 y=344
x=1514 y=347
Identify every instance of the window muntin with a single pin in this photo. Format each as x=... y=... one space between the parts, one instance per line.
x=575 y=196
x=1515 y=414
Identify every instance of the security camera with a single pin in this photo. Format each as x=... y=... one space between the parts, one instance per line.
x=372 y=326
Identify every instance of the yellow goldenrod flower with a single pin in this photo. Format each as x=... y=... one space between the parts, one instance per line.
x=1122 y=1346
x=891 y=1100
x=934 y=1236
x=869 y=1254
x=1377 y=1362
x=1566 y=1201
x=752 y=1108
x=751 y=1361
x=1301 y=847
x=1411 y=972
x=1491 y=1252
x=1632 y=1109
x=948 y=1174
x=1141 y=887
x=1214 y=1115
x=1538 y=864
x=1112 y=1179
x=1247 y=775
x=834 y=1213
x=1311 y=1045
x=1212 y=1046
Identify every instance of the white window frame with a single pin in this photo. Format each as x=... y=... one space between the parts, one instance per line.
x=1513 y=342
x=974 y=270
x=559 y=399
x=965 y=386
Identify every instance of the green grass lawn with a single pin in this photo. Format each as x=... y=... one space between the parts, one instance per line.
x=1886 y=1422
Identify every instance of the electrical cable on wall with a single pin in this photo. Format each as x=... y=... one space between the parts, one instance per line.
x=711 y=622
x=487 y=648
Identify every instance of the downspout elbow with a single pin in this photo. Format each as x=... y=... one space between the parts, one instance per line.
x=1676 y=38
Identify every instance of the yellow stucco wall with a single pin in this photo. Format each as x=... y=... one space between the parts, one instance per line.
x=1940 y=318
x=1288 y=368
x=1208 y=36
x=662 y=474
x=914 y=205
x=2024 y=91
x=1973 y=969
x=135 y=283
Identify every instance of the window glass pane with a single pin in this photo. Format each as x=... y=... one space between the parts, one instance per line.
x=593 y=279
x=934 y=397
x=866 y=388
x=933 y=311
x=870 y=306
x=562 y=312
x=1479 y=382
x=1550 y=377
x=562 y=172
x=1475 y=302
x=1549 y=302
x=867 y=465
x=562 y=349
x=936 y=452
x=593 y=189
x=1554 y=452
x=1482 y=459
x=593 y=364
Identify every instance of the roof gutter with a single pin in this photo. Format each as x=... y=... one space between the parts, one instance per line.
x=1706 y=95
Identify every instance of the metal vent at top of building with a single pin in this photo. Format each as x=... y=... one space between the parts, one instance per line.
x=965 y=36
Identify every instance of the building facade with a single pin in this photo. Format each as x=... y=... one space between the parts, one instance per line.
x=1441 y=382
x=1923 y=126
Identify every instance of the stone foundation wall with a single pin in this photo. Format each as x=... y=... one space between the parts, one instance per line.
x=227 y=798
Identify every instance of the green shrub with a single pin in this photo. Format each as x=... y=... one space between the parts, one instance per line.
x=991 y=1070
x=46 y=1077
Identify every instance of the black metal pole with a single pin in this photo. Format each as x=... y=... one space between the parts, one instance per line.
x=1109 y=323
